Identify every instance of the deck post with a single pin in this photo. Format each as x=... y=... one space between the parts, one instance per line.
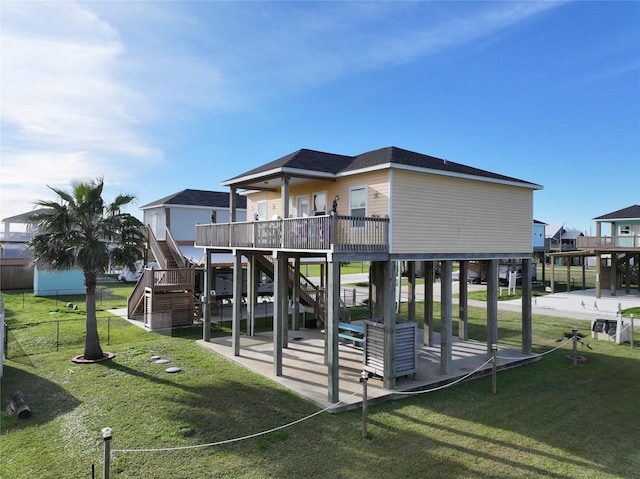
x=284 y=194
x=252 y=297
x=411 y=276
x=446 y=319
x=389 y=275
x=428 y=303
x=527 y=287
x=332 y=317
x=492 y=304
x=613 y=275
x=232 y=205
x=284 y=304
x=296 y=294
x=463 y=285
x=377 y=282
x=206 y=298
x=598 y=274
x=237 y=302
x=280 y=290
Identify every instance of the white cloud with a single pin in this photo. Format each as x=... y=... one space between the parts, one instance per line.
x=66 y=113
x=85 y=85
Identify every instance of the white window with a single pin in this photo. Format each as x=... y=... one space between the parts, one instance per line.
x=358 y=201
x=624 y=230
x=262 y=210
x=302 y=206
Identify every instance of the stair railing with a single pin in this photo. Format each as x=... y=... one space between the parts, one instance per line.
x=175 y=250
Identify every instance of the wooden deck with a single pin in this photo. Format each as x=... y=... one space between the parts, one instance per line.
x=608 y=243
x=317 y=233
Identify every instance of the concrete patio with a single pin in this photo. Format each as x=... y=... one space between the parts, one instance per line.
x=305 y=373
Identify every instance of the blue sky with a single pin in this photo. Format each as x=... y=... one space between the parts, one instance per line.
x=162 y=96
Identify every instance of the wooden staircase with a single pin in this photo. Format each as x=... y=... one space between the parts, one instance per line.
x=163 y=298
x=310 y=295
x=634 y=270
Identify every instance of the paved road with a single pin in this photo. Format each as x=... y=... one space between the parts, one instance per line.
x=580 y=304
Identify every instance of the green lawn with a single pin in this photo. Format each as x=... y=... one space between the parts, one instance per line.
x=548 y=419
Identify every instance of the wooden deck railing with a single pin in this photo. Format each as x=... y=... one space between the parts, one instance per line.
x=175 y=249
x=608 y=242
x=156 y=249
x=173 y=277
x=159 y=278
x=330 y=232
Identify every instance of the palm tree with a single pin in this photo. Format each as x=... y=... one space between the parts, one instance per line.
x=80 y=231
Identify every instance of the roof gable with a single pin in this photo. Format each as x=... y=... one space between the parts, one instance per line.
x=553 y=230
x=304 y=160
x=205 y=198
x=629 y=213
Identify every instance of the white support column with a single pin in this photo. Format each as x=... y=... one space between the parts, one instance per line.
x=237 y=302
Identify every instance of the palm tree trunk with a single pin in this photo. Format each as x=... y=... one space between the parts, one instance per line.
x=92 y=349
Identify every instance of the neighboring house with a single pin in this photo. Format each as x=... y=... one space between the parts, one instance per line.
x=617 y=253
x=558 y=238
x=58 y=283
x=383 y=206
x=15 y=262
x=181 y=211
x=164 y=296
x=539 y=229
x=15 y=270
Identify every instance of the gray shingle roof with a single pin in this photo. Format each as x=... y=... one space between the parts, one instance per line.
x=304 y=159
x=188 y=197
x=333 y=164
x=630 y=212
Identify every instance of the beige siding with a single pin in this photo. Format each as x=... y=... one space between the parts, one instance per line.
x=438 y=215
x=377 y=195
x=274 y=205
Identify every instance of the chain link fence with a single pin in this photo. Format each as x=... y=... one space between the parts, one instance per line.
x=48 y=336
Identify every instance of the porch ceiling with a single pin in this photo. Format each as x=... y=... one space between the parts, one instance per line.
x=274 y=181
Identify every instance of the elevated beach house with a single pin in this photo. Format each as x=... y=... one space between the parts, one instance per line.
x=616 y=248
x=382 y=207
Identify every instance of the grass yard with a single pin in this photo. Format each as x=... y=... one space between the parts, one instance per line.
x=548 y=419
